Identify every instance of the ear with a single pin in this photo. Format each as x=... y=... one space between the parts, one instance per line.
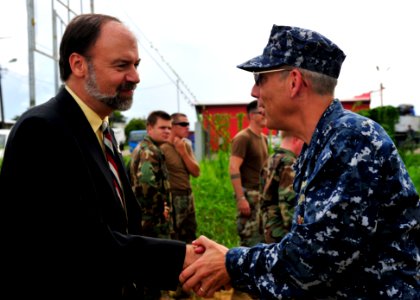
x=297 y=83
x=78 y=65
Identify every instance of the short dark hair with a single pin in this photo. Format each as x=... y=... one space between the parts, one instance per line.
x=252 y=106
x=80 y=35
x=175 y=116
x=155 y=115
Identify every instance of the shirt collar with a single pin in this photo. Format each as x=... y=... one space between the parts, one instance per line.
x=94 y=120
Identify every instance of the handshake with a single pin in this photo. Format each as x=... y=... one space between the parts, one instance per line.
x=204 y=268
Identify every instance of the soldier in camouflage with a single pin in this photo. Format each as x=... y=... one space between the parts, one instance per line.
x=149 y=177
x=278 y=198
x=249 y=151
x=181 y=164
x=356 y=227
x=150 y=183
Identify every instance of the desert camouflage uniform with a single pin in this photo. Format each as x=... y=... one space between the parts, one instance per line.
x=149 y=177
x=277 y=195
x=356 y=228
x=250 y=227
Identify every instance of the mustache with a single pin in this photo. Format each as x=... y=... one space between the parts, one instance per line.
x=127 y=86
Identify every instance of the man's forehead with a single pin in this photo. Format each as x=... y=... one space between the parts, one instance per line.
x=161 y=122
x=115 y=35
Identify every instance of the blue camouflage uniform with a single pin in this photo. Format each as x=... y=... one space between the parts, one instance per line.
x=356 y=227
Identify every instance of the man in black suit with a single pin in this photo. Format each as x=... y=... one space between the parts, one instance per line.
x=66 y=232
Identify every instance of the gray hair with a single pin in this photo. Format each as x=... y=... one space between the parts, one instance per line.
x=322 y=84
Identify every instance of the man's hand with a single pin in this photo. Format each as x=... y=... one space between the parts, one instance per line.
x=180 y=146
x=208 y=273
x=166 y=211
x=192 y=253
x=243 y=207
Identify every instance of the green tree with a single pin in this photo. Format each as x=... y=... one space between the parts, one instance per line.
x=134 y=124
x=117 y=117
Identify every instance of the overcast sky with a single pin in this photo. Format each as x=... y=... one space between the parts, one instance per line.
x=203 y=41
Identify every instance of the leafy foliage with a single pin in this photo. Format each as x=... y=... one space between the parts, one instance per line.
x=414 y=171
x=412 y=163
x=117 y=117
x=215 y=204
x=134 y=124
x=240 y=117
x=219 y=125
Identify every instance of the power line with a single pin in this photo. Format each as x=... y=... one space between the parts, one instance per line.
x=188 y=95
x=156 y=86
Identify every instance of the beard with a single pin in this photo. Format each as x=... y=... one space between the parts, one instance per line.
x=115 y=101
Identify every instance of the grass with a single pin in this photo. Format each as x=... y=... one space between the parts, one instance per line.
x=412 y=163
x=215 y=205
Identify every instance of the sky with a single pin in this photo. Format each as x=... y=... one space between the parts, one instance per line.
x=196 y=45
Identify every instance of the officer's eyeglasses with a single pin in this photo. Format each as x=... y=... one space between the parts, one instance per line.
x=257 y=112
x=183 y=124
x=258 y=76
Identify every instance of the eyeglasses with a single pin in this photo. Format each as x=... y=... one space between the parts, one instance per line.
x=258 y=78
x=257 y=112
x=183 y=124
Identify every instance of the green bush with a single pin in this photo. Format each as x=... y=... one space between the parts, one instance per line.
x=412 y=163
x=414 y=172
x=214 y=201
x=134 y=124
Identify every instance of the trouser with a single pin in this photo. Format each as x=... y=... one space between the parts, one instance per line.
x=249 y=227
x=185 y=223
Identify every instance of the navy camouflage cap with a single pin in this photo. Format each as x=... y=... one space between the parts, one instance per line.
x=299 y=47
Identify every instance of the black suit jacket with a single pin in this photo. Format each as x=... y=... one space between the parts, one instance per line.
x=64 y=231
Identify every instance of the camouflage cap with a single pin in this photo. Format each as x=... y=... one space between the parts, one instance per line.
x=299 y=47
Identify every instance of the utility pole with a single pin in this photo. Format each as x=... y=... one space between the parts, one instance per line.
x=381 y=86
x=58 y=20
x=31 y=50
x=1 y=102
x=3 y=122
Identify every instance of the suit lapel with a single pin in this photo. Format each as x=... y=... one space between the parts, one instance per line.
x=87 y=138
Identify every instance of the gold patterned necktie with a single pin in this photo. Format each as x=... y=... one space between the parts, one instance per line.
x=110 y=153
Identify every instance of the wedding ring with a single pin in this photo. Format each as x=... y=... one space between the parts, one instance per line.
x=202 y=290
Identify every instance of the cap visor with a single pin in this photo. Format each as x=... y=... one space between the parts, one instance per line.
x=252 y=65
x=260 y=63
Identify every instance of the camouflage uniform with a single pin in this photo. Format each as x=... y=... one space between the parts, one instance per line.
x=277 y=195
x=183 y=208
x=250 y=227
x=253 y=149
x=185 y=224
x=355 y=232
x=149 y=177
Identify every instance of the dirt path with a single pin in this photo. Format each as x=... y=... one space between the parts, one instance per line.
x=222 y=295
